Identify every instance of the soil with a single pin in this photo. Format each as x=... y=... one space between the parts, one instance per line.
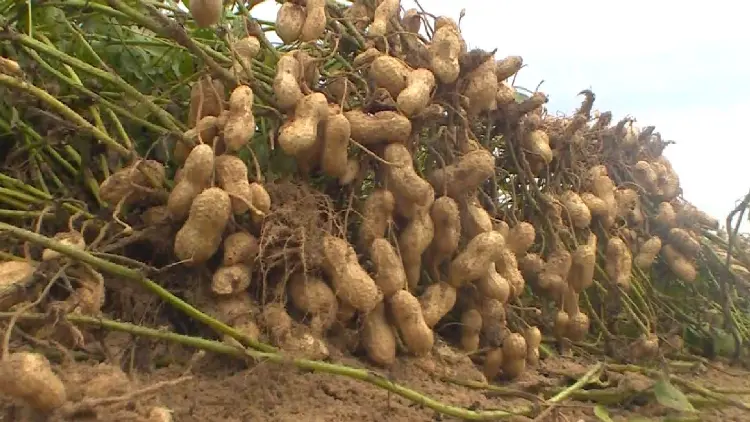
x=222 y=389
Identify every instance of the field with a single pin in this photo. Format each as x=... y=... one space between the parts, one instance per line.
x=366 y=221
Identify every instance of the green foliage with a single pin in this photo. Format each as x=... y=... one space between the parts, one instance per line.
x=601 y=413
x=670 y=396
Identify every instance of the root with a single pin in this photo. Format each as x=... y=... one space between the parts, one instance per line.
x=89 y=405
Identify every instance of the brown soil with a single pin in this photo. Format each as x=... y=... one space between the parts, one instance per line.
x=222 y=389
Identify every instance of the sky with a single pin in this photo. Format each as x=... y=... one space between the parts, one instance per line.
x=668 y=64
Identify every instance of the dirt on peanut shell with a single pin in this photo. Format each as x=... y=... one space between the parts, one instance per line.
x=208 y=387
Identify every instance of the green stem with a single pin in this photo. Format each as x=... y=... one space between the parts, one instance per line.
x=90 y=50
x=34 y=161
x=163 y=25
x=311 y=365
x=639 y=290
x=15 y=183
x=133 y=15
x=59 y=159
x=631 y=308
x=46 y=169
x=73 y=154
x=20 y=196
x=140 y=43
x=137 y=276
x=167 y=119
x=597 y=319
x=86 y=4
x=4 y=213
x=681 y=381
x=81 y=39
x=93 y=95
x=120 y=128
x=63 y=110
x=261 y=35
x=587 y=378
x=19 y=205
x=37 y=138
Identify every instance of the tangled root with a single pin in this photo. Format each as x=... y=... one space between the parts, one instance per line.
x=290 y=236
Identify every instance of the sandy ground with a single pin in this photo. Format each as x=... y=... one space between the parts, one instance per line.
x=222 y=389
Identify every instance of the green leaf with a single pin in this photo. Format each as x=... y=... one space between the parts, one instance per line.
x=723 y=342
x=601 y=413
x=669 y=396
x=176 y=65
x=186 y=65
